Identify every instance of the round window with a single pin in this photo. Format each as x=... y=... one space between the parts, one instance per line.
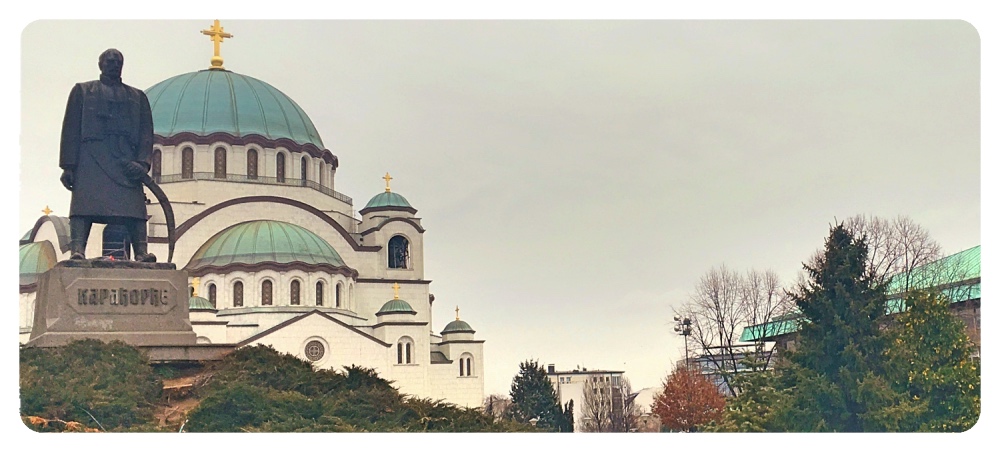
x=315 y=350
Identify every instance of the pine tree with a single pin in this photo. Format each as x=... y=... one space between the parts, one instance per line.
x=533 y=397
x=931 y=362
x=837 y=369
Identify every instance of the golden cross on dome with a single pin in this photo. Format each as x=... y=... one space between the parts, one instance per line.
x=456 y=312
x=395 y=291
x=194 y=286
x=217 y=34
x=387 y=179
x=47 y=210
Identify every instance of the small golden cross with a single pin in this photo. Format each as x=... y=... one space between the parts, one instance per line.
x=456 y=312
x=194 y=285
x=217 y=34
x=47 y=211
x=395 y=291
x=387 y=179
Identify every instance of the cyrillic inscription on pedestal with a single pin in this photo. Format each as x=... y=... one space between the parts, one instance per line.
x=138 y=306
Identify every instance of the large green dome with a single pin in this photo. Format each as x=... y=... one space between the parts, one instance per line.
x=220 y=101
x=254 y=243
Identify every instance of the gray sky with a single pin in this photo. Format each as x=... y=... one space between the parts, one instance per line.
x=577 y=178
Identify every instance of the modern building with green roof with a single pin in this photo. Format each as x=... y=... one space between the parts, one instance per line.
x=956 y=276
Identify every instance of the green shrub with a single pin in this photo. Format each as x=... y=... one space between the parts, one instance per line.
x=112 y=382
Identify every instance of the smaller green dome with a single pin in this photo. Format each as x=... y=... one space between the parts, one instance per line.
x=200 y=303
x=457 y=326
x=388 y=199
x=36 y=258
x=396 y=306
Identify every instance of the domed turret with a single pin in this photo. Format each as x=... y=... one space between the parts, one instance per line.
x=457 y=326
x=388 y=200
x=396 y=306
x=393 y=308
x=457 y=329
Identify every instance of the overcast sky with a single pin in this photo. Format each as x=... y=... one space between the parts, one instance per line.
x=576 y=178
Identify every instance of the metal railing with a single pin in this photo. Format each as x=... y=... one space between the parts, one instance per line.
x=263 y=180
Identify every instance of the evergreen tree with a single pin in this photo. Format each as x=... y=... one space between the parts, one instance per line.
x=756 y=406
x=533 y=397
x=931 y=362
x=837 y=369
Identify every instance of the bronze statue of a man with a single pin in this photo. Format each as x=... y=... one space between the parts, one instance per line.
x=107 y=140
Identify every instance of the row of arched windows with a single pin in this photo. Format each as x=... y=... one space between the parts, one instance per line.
x=267 y=294
x=220 y=167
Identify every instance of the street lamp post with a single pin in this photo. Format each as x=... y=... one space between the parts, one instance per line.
x=683 y=327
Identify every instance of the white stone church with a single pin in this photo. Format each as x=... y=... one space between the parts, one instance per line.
x=274 y=254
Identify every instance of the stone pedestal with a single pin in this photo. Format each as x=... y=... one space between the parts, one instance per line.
x=140 y=304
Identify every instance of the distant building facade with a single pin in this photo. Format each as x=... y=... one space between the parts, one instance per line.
x=572 y=385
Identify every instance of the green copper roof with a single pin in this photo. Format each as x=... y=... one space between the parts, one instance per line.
x=262 y=241
x=958 y=267
x=199 y=303
x=388 y=199
x=457 y=326
x=396 y=306
x=957 y=273
x=209 y=101
x=36 y=258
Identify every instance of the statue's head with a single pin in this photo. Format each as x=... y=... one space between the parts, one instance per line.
x=111 y=62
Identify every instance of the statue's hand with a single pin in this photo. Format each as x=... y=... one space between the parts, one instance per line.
x=67 y=179
x=134 y=170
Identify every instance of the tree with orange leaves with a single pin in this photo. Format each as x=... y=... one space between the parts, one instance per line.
x=688 y=400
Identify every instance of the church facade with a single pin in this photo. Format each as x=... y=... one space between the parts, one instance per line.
x=274 y=254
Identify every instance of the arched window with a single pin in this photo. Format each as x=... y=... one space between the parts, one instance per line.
x=399 y=252
x=293 y=292
x=237 y=294
x=305 y=164
x=319 y=293
x=252 y=164
x=187 y=163
x=337 y=295
x=279 y=167
x=220 y=163
x=465 y=365
x=266 y=289
x=157 y=165
x=211 y=294
x=322 y=172
x=404 y=351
